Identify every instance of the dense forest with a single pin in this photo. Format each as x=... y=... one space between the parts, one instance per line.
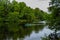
x=14 y=15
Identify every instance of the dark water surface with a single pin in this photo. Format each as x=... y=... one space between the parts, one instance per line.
x=29 y=33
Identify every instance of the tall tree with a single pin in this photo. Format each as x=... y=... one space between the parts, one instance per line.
x=55 y=10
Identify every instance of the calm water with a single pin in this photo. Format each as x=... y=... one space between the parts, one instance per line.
x=33 y=35
x=37 y=36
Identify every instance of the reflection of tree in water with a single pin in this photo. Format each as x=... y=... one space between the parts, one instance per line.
x=38 y=28
x=23 y=31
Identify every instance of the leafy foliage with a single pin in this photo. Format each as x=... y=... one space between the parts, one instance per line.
x=55 y=14
x=14 y=15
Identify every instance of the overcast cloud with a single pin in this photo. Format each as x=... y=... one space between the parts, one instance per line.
x=42 y=4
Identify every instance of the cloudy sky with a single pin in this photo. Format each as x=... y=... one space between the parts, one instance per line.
x=42 y=4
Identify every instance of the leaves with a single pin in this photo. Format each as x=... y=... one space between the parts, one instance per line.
x=55 y=14
x=15 y=14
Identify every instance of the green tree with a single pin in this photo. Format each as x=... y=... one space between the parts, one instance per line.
x=14 y=15
x=39 y=14
x=13 y=21
x=55 y=12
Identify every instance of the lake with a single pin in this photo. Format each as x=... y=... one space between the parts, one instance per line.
x=37 y=36
x=30 y=33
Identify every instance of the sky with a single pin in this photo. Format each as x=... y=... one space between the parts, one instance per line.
x=41 y=4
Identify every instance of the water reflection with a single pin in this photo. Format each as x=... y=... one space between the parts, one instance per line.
x=27 y=33
x=37 y=36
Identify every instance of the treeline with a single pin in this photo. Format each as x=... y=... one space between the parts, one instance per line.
x=14 y=15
